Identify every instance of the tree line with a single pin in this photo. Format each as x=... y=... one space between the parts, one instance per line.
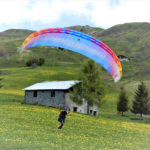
x=92 y=90
x=35 y=61
x=91 y=87
x=140 y=104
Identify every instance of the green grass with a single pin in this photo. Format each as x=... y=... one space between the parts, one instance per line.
x=130 y=39
x=35 y=127
x=18 y=78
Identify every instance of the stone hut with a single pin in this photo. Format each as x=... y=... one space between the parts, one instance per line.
x=56 y=94
x=123 y=58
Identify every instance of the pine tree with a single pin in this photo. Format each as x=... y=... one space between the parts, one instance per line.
x=91 y=88
x=140 y=103
x=122 y=105
x=76 y=94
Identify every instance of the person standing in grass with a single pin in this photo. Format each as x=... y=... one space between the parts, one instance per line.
x=62 y=117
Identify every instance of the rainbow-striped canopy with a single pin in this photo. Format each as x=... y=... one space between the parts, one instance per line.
x=77 y=42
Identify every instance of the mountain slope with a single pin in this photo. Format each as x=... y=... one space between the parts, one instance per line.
x=11 y=40
x=131 y=40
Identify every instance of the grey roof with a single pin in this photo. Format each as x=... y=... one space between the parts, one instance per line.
x=53 y=85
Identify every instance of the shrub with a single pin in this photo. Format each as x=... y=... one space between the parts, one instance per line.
x=41 y=61
x=38 y=62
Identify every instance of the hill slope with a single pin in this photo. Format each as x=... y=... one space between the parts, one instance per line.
x=131 y=40
x=36 y=127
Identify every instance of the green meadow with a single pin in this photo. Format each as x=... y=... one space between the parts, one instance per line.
x=32 y=127
x=36 y=127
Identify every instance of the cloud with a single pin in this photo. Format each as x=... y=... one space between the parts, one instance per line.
x=114 y=3
x=40 y=14
x=49 y=11
x=123 y=11
x=10 y=11
x=29 y=12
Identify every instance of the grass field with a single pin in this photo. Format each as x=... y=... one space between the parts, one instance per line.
x=35 y=127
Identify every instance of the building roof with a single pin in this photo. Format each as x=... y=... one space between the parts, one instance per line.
x=53 y=85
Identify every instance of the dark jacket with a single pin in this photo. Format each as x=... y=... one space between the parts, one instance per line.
x=63 y=114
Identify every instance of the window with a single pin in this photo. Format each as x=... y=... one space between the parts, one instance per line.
x=52 y=93
x=75 y=109
x=95 y=113
x=91 y=111
x=35 y=94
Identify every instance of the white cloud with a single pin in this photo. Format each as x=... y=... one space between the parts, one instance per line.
x=125 y=11
x=102 y=13
x=10 y=10
x=49 y=11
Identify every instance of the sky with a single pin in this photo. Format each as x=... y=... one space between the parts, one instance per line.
x=41 y=14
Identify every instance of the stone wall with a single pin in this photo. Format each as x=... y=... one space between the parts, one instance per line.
x=44 y=98
x=80 y=108
x=60 y=100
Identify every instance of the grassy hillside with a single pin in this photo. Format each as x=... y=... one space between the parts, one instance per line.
x=14 y=34
x=93 y=31
x=131 y=40
x=35 y=127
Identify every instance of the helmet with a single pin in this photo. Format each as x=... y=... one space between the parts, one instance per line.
x=65 y=108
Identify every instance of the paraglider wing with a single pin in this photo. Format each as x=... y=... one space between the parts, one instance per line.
x=77 y=42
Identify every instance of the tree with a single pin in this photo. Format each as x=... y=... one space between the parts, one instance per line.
x=91 y=87
x=122 y=105
x=41 y=61
x=76 y=94
x=140 y=103
x=36 y=61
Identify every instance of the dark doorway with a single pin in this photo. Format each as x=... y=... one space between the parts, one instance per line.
x=75 y=109
x=52 y=93
x=35 y=94
x=95 y=113
x=91 y=111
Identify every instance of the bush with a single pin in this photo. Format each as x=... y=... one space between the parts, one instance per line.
x=33 y=66
x=41 y=61
x=38 y=62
